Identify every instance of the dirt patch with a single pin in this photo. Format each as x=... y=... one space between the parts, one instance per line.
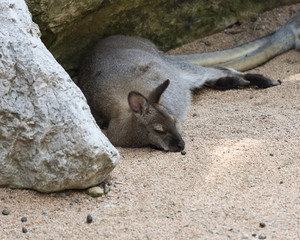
x=239 y=179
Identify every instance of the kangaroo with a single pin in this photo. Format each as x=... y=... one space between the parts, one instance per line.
x=142 y=96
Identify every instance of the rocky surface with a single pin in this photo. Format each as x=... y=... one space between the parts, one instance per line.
x=49 y=140
x=71 y=27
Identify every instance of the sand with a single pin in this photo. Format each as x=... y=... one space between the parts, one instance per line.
x=239 y=179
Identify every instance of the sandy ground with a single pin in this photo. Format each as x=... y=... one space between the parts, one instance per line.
x=239 y=179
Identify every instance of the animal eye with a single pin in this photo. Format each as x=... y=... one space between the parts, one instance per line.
x=158 y=128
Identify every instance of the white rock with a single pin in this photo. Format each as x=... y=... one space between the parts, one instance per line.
x=49 y=140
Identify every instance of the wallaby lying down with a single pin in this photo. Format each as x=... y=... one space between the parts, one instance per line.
x=141 y=95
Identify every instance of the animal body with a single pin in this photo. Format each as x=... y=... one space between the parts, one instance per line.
x=141 y=95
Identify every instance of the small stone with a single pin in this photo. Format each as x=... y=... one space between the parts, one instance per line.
x=5 y=212
x=281 y=182
x=105 y=188
x=170 y=215
x=45 y=212
x=24 y=219
x=262 y=225
x=95 y=191
x=194 y=114
x=262 y=236
x=206 y=43
x=245 y=236
x=63 y=194
x=89 y=219
x=183 y=152
x=24 y=230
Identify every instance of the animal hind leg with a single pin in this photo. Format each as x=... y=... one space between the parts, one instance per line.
x=226 y=83
x=260 y=81
x=230 y=78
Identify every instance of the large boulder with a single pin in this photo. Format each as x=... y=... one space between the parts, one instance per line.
x=49 y=140
x=70 y=27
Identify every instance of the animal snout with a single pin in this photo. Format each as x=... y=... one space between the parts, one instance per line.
x=177 y=146
x=180 y=145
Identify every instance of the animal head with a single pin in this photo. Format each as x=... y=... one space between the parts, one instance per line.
x=157 y=125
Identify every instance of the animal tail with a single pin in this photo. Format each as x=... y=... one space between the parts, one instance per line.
x=252 y=54
x=220 y=57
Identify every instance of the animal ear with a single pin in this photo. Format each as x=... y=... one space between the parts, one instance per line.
x=137 y=102
x=157 y=92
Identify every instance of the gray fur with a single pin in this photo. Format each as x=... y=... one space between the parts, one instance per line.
x=121 y=74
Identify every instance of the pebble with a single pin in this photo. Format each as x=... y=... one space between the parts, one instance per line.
x=245 y=236
x=183 y=152
x=105 y=188
x=206 y=43
x=117 y=182
x=45 y=212
x=24 y=219
x=24 y=230
x=262 y=225
x=95 y=191
x=63 y=194
x=5 y=212
x=261 y=236
x=281 y=182
x=89 y=218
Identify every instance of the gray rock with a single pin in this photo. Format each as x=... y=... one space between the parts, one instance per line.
x=49 y=140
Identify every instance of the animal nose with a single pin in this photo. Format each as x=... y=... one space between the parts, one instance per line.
x=180 y=145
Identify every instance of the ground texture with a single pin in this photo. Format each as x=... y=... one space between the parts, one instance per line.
x=239 y=179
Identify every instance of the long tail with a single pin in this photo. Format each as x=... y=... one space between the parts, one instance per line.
x=252 y=54
x=220 y=57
